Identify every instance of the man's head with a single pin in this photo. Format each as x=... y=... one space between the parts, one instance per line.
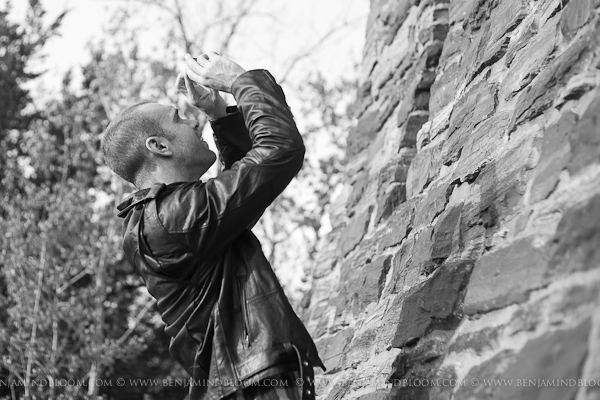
x=148 y=143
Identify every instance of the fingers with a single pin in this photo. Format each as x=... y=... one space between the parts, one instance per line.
x=210 y=70
x=201 y=61
x=195 y=70
x=180 y=83
x=189 y=85
x=198 y=78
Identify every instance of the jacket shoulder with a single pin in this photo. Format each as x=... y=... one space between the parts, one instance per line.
x=181 y=206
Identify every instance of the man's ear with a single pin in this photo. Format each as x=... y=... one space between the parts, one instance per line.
x=159 y=146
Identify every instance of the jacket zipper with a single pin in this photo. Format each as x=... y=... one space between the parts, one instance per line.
x=244 y=313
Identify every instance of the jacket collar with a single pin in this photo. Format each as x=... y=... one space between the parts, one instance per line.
x=139 y=197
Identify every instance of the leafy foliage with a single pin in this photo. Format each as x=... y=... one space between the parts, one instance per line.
x=70 y=305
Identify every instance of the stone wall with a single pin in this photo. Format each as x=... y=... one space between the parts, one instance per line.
x=466 y=245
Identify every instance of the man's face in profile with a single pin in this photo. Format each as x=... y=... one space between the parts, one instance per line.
x=190 y=151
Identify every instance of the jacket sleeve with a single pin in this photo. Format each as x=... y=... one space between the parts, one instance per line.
x=231 y=137
x=206 y=217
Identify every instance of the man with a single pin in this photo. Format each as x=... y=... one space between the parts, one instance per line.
x=231 y=325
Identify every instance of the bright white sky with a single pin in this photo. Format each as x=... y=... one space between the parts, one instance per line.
x=298 y=25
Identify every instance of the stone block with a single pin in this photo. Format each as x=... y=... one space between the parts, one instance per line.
x=388 y=99
x=338 y=391
x=362 y=345
x=505 y=276
x=381 y=394
x=391 y=198
x=362 y=281
x=480 y=16
x=454 y=45
x=365 y=131
x=421 y=101
x=430 y=56
x=434 y=32
x=443 y=90
x=332 y=348
x=392 y=16
x=473 y=148
x=552 y=357
x=521 y=41
x=503 y=20
x=477 y=342
x=354 y=231
x=321 y=327
x=359 y=183
x=474 y=106
x=391 y=188
x=447 y=234
x=472 y=52
x=530 y=54
x=575 y=15
x=324 y=267
x=398 y=226
x=460 y=10
x=441 y=13
x=584 y=140
x=410 y=363
x=426 y=79
x=575 y=246
x=435 y=298
x=363 y=98
x=577 y=86
x=502 y=185
x=490 y=369
x=540 y=95
x=407 y=88
x=432 y=205
x=411 y=126
x=403 y=268
x=424 y=136
x=554 y=157
x=423 y=170
x=422 y=249
x=506 y=17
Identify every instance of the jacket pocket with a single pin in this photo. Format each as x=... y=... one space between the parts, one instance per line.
x=243 y=312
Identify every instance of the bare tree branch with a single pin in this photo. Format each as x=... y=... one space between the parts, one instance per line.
x=233 y=28
x=311 y=49
x=139 y=317
x=36 y=308
x=12 y=370
x=179 y=18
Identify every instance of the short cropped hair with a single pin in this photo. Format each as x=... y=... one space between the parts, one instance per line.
x=123 y=143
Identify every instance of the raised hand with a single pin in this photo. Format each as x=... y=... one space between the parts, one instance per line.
x=213 y=71
x=207 y=100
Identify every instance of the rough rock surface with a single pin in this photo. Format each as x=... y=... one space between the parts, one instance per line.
x=467 y=248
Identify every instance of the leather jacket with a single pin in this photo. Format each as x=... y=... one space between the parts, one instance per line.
x=227 y=315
